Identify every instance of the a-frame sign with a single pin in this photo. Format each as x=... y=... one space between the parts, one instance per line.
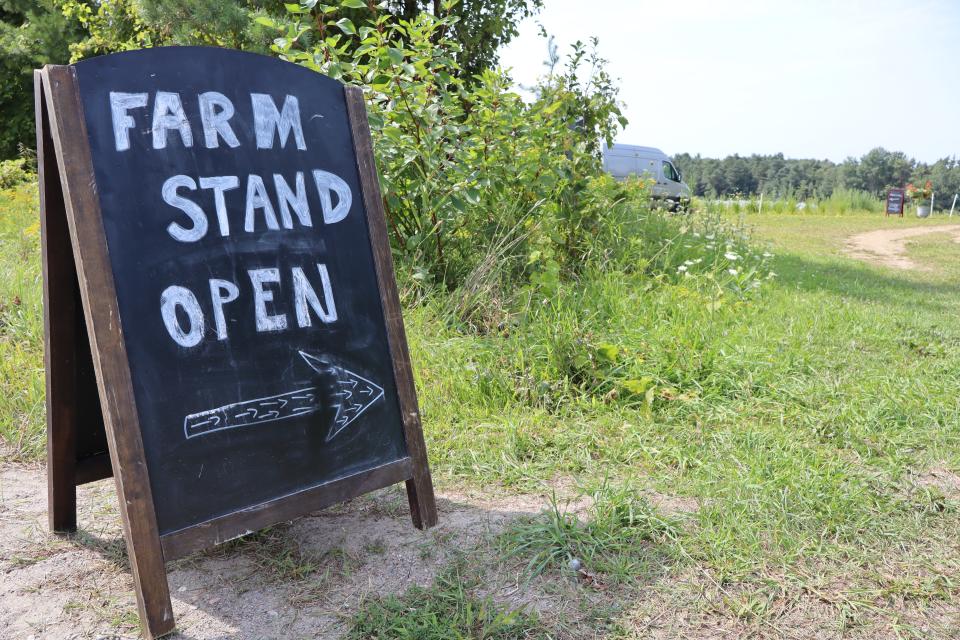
x=223 y=330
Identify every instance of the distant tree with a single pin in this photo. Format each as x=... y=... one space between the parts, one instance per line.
x=881 y=169
x=738 y=176
x=944 y=174
x=848 y=175
x=483 y=26
x=776 y=176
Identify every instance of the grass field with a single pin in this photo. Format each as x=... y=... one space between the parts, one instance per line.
x=786 y=464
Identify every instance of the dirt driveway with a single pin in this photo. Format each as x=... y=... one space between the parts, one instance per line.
x=888 y=247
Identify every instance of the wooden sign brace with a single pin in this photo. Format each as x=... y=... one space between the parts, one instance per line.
x=85 y=347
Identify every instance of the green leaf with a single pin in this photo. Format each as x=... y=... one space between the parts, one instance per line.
x=265 y=21
x=353 y=4
x=638 y=387
x=396 y=55
x=608 y=352
x=553 y=107
x=346 y=25
x=393 y=132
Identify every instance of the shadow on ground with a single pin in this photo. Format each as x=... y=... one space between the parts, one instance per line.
x=877 y=285
x=302 y=579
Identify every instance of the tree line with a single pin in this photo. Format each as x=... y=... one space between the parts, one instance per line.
x=775 y=176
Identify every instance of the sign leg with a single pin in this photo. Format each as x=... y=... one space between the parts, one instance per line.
x=59 y=319
x=423 y=508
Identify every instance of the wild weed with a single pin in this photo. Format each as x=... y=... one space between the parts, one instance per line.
x=617 y=537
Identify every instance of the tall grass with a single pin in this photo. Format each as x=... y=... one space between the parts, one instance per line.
x=21 y=324
x=841 y=202
x=844 y=200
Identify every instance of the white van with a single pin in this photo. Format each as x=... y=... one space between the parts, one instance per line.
x=622 y=160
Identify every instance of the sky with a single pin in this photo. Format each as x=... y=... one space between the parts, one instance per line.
x=806 y=78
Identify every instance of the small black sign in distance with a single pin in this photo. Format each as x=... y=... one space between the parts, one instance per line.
x=895 y=198
x=238 y=302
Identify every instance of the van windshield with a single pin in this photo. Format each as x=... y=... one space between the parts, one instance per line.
x=669 y=172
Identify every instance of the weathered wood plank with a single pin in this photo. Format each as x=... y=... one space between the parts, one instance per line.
x=102 y=315
x=186 y=541
x=93 y=468
x=59 y=328
x=423 y=505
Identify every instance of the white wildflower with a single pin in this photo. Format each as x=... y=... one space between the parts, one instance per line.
x=730 y=255
x=732 y=272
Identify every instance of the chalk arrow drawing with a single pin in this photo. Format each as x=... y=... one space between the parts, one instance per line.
x=347 y=383
x=250 y=412
x=338 y=385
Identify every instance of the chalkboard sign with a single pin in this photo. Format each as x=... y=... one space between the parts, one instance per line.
x=895 y=198
x=229 y=246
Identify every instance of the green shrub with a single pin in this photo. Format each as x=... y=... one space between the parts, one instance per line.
x=14 y=172
x=461 y=158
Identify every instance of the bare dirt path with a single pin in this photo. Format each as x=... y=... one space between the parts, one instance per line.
x=298 y=580
x=888 y=247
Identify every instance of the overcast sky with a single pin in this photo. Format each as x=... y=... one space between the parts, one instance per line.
x=810 y=78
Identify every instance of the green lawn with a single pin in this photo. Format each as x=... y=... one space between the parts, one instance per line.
x=815 y=427
x=786 y=463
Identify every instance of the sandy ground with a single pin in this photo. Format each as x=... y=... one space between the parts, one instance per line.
x=298 y=580
x=888 y=247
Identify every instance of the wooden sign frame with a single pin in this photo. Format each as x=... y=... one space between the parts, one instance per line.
x=82 y=322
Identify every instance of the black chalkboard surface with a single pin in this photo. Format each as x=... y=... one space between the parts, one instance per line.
x=239 y=309
x=296 y=392
x=894 y=203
